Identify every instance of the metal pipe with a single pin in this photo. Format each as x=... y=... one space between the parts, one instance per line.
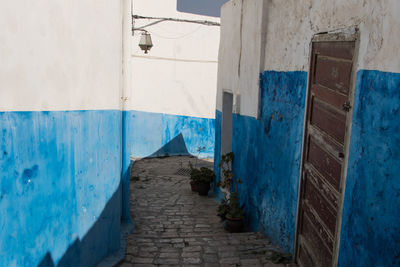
x=203 y=22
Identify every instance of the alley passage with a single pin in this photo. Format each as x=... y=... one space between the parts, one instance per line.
x=176 y=227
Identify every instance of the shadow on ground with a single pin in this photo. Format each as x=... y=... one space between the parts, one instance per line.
x=105 y=236
x=102 y=239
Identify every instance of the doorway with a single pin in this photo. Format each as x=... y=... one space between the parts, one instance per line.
x=226 y=127
x=326 y=140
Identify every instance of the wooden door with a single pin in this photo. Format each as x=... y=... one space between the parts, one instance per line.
x=325 y=136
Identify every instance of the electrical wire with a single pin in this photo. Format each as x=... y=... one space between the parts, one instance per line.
x=174 y=38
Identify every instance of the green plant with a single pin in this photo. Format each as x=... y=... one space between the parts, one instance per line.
x=226 y=166
x=234 y=209
x=207 y=175
x=194 y=173
x=223 y=208
x=228 y=174
x=202 y=175
x=230 y=205
x=199 y=150
x=278 y=257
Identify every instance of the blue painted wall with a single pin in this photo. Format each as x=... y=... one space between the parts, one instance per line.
x=267 y=155
x=371 y=215
x=60 y=191
x=217 y=153
x=155 y=134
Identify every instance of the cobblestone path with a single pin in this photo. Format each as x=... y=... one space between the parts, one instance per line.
x=176 y=227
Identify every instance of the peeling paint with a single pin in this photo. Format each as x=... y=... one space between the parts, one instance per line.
x=59 y=171
x=269 y=164
x=370 y=233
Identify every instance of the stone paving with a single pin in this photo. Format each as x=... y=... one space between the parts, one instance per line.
x=176 y=227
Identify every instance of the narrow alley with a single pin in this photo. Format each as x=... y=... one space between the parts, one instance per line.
x=200 y=133
x=177 y=227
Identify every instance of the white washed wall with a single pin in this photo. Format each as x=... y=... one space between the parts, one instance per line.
x=291 y=25
x=178 y=75
x=60 y=55
x=284 y=29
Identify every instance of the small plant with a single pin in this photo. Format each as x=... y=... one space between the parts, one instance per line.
x=223 y=208
x=234 y=210
x=201 y=179
x=202 y=175
x=230 y=205
x=194 y=173
x=278 y=257
x=199 y=150
x=207 y=175
x=228 y=174
x=226 y=166
x=135 y=178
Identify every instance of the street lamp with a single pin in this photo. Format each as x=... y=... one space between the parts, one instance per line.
x=145 y=42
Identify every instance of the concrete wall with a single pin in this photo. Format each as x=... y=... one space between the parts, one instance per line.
x=240 y=55
x=177 y=77
x=60 y=131
x=268 y=149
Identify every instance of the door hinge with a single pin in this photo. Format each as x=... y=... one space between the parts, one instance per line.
x=347 y=106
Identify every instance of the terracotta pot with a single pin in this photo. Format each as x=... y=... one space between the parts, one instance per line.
x=234 y=225
x=203 y=189
x=193 y=185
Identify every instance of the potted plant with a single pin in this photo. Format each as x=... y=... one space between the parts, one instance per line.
x=194 y=177
x=195 y=172
x=201 y=179
x=223 y=208
x=234 y=216
x=203 y=183
x=230 y=205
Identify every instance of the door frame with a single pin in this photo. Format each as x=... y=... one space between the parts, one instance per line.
x=351 y=34
x=223 y=121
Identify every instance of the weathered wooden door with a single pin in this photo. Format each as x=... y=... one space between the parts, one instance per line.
x=329 y=103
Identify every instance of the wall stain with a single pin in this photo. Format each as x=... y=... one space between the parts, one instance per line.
x=371 y=217
x=269 y=167
x=29 y=174
x=56 y=162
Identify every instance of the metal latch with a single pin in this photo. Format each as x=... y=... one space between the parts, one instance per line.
x=346 y=106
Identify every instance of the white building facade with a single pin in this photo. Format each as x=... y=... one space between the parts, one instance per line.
x=174 y=84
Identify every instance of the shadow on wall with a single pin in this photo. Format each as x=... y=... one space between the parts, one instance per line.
x=83 y=252
x=175 y=147
x=175 y=134
x=204 y=7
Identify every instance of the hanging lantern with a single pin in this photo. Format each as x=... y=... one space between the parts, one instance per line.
x=145 y=42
